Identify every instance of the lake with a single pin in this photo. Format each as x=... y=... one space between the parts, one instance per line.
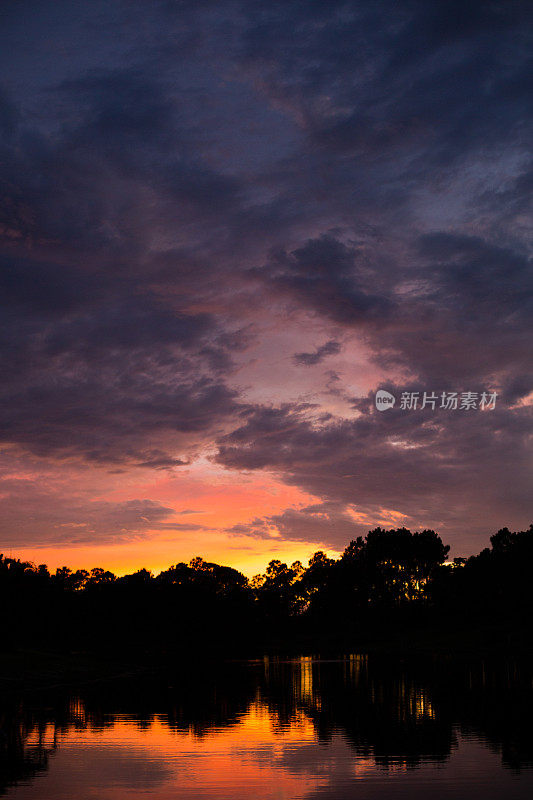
x=356 y=727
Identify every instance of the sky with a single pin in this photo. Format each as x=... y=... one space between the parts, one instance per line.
x=224 y=227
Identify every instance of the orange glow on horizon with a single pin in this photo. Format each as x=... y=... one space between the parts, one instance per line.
x=204 y=497
x=250 y=559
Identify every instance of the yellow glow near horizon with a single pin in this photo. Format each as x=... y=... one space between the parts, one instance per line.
x=156 y=556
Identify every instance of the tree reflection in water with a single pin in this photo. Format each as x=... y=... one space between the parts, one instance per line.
x=395 y=716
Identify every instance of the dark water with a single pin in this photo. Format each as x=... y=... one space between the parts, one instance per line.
x=354 y=728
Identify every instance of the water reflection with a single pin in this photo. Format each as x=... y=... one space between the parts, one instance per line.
x=307 y=728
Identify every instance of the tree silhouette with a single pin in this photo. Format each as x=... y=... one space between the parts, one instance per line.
x=388 y=581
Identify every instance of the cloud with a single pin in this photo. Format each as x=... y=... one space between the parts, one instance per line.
x=328 y=524
x=53 y=518
x=330 y=348
x=324 y=274
x=421 y=468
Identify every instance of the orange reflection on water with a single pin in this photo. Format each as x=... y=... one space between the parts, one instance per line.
x=239 y=761
x=300 y=729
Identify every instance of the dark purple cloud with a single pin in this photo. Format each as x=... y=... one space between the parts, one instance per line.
x=330 y=348
x=439 y=469
x=53 y=518
x=325 y=275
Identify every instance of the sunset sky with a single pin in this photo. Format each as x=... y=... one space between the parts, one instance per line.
x=224 y=226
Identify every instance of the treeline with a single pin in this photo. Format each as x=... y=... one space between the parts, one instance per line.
x=386 y=584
